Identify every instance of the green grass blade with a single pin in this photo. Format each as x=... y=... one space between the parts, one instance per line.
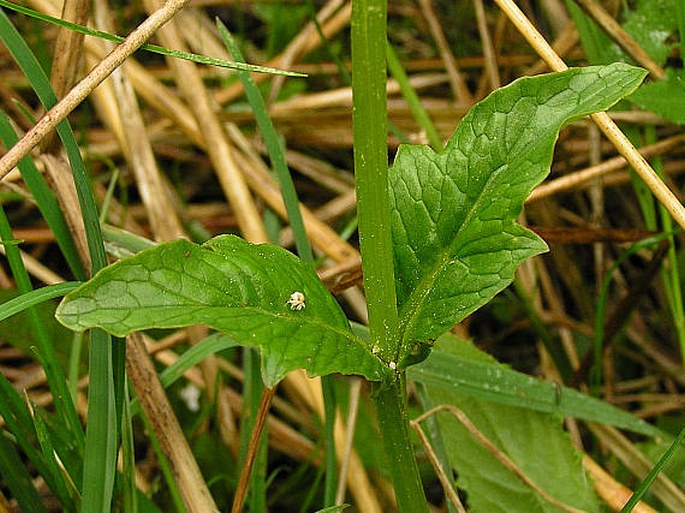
x=413 y=100
x=66 y=409
x=200 y=59
x=16 y=477
x=128 y=457
x=61 y=474
x=101 y=433
x=101 y=429
x=602 y=298
x=649 y=479
x=21 y=303
x=169 y=479
x=18 y=419
x=304 y=249
x=275 y=149
x=469 y=372
x=193 y=356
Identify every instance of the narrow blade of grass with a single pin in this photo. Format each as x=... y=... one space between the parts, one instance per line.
x=200 y=59
x=413 y=100
x=649 y=479
x=16 y=477
x=101 y=433
x=275 y=149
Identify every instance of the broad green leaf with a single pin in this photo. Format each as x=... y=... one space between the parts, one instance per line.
x=456 y=240
x=535 y=441
x=237 y=288
x=467 y=371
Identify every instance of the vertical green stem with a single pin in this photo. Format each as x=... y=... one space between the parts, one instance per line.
x=373 y=208
x=391 y=409
x=371 y=171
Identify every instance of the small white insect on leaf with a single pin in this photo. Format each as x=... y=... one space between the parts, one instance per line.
x=296 y=301
x=392 y=365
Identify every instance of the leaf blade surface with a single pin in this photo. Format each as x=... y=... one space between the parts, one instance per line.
x=234 y=287
x=455 y=237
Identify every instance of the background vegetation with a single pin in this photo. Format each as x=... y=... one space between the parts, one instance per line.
x=167 y=148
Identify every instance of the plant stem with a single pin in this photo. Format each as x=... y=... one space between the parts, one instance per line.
x=373 y=208
x=371 y=172
x=391 y=407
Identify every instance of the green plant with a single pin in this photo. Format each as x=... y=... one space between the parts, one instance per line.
x=454 y=244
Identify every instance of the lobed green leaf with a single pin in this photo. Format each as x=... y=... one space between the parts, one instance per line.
x=237 y=288
x=455 y=237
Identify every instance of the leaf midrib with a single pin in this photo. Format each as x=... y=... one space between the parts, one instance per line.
x=409 y=311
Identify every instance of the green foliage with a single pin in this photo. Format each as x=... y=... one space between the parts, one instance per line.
x=652 y=25
x=19 y=332
x=468 y=372
x=535 y=441
x=665 y=97
x=455 y=237
x=237 y=288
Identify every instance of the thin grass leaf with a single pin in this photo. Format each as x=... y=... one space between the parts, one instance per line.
x=412 y=99
x=59 y=474
x=16 y=477
x=641 y=490
x=34 y=297
x=275 y=149
x=200 y=59
x=101 y=433
x=465 y=370
x=16 y=415
x=45 y=351
x=193 y=356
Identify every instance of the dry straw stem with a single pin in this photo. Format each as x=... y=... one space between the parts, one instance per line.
x=489 y=54
x=361 y=489
x=637 y=463
x=282 y=437
x=79 y=93
x=445 y=481
x=603 y=121
x=136 y=146
x=66 y=57
x=216 y=143
x=611 y=491
x=348 y=447
x=159 y=412
x=621 y=37
x=251 y=452
x=495 y=451
x=36 y=269
x=261 y=181
x=457 y=82
x=61 y=180
x=584 y=177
